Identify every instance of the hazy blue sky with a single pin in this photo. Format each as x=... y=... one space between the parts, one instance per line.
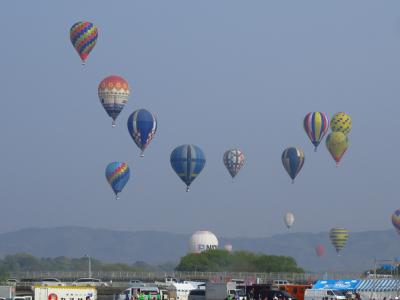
x=218 y=74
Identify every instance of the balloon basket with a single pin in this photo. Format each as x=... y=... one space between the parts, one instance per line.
x=117 y=197
x=113 y=124
x=292 y=181
x=142 y=154
x=83 y=62
x=187 y=189
x=315 y=149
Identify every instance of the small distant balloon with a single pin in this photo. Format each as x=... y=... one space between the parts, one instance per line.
x=320 y=250
x=113 y=94
x=396 y=220
x=83 y=37
x=142 y=126
x=338 y=237
x=187 y=161
x=228 y=247
x=316 y=125
x=341 y=122
x=293 y=161
x=337 y=144
x=117 y=174
x=233 y=161
x=289 y=219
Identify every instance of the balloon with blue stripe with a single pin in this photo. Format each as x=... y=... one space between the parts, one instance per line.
x=117 y=174
x=316 y=125
x=293 y=161
x=187 y=161
x=142 y=126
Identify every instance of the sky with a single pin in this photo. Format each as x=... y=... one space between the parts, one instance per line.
x=217 y=74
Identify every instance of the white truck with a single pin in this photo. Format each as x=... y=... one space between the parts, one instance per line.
x=7 y=292
x=65 y=292
x=323 y=294
x=220 y=291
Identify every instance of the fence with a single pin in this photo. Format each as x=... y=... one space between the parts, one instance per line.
x=122 y=276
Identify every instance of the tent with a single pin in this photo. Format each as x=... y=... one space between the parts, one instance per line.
x=341 y=285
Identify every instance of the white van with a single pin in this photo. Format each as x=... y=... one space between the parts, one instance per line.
x=321 y=294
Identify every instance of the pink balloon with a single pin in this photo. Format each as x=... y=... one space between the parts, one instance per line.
x=320 y=250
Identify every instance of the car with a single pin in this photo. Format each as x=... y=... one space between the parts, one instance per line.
x=51 y=282
x=89 y=282
x=136 y=283
x=197 y=294
x=280 y=282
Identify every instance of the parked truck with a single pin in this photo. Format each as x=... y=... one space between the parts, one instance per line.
x=65 y=292
x=7 y=292
x=220 y=291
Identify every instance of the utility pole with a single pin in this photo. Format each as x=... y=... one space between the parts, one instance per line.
x=90 y=265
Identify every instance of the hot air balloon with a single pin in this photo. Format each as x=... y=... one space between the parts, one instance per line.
x=289 y=219
x=187 y=161
x=338 y=238
x=293 y=160
x=233 y=161
x=316 y=125
x=83 y=37
x=337 y=144
x=320 y=250
x=228 y=247
x=341 y=122
x=113 y=94
x=396 y=220
x=117 y=174
x=142 y=127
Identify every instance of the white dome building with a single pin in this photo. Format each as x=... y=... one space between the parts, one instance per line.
x=228 y=247
x=202 y=240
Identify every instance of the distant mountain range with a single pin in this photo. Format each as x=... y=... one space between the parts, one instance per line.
x=158 y=247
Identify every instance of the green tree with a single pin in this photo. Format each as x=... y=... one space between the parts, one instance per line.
x=239 y=261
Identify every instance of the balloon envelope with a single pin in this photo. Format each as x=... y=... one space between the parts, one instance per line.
x=320 y=250
x=338 y=237
x=228 y=247
x=83 y=37
x=187 y=161
x=316 y=125
x=142 y=126
x=289 y=219
x=341 y=122
x=293 y=161
x=233 y=161
x=117 y=174
x=396 y=220
x=113 y=94
x=337 y=144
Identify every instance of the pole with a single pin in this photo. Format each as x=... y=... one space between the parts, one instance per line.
x=90 y=267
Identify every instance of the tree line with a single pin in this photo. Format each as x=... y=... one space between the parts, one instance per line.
x=238 y=261
x=208 y=261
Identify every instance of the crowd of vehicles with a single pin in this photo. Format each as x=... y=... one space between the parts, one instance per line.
x=218 y=289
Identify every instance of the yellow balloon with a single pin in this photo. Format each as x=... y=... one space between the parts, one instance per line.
x=341 y=122
x=338 y=238
x=337 y=144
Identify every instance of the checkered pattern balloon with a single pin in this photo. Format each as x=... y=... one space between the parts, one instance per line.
x=233 y=161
